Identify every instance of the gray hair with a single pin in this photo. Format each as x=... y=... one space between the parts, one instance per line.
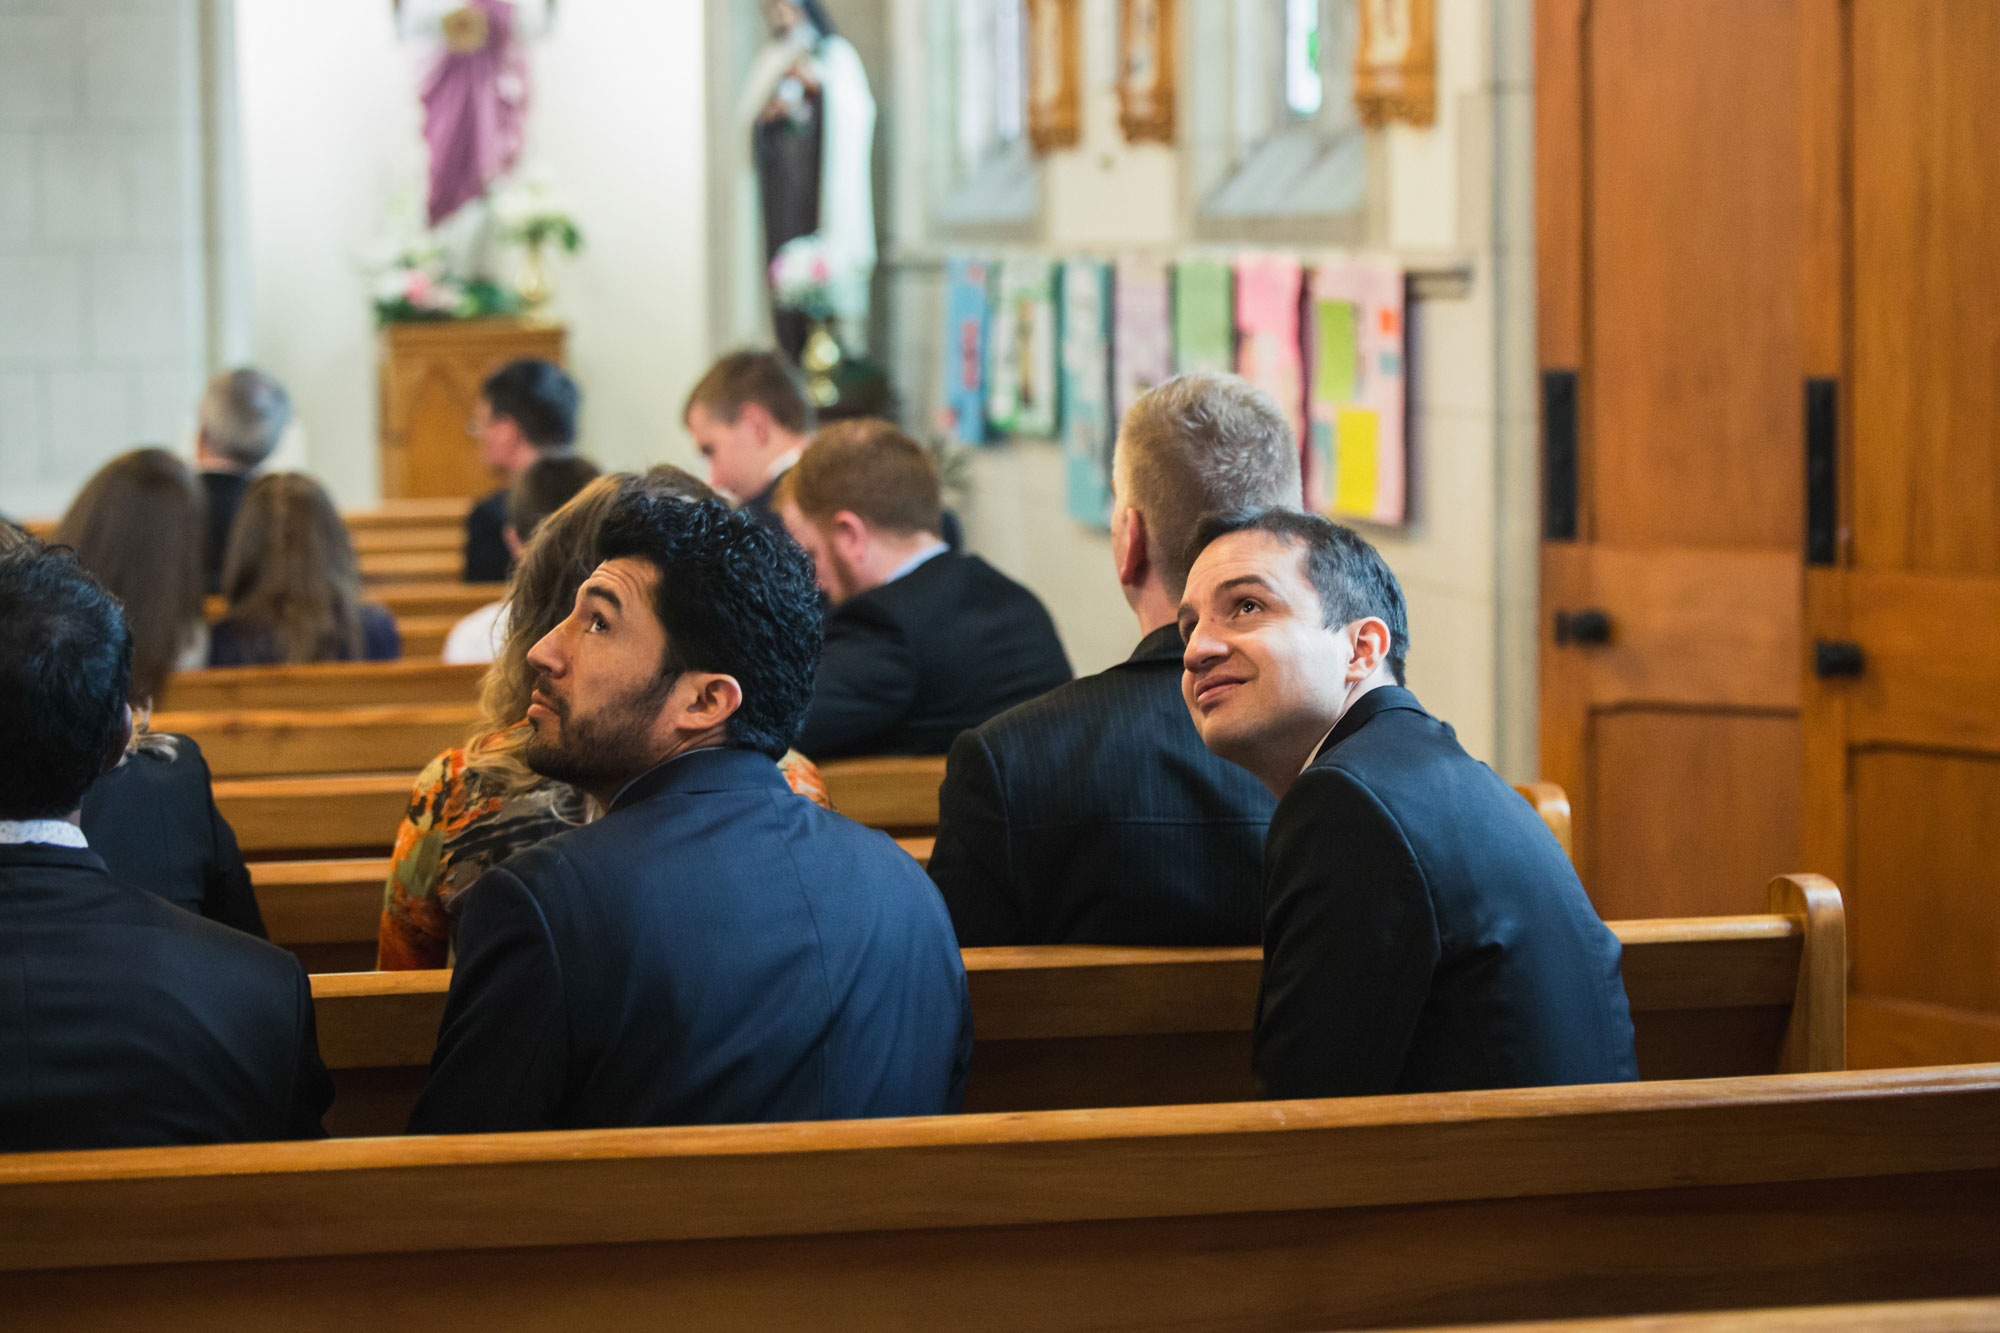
x=1201 y=444
x=243 y=414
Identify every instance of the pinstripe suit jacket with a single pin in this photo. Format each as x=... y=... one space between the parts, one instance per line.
x=1095 y=815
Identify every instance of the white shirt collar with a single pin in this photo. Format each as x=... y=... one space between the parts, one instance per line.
x=782 y=464
x=54 y=832
x=931 y=552
x=1316 y=749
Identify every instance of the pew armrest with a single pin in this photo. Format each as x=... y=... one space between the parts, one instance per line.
x=1816 y=1035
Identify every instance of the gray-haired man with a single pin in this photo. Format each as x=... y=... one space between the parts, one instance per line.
x=1093 y=814
x=243 y=414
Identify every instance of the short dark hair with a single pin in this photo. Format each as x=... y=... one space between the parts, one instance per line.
x=547 y=485
x=1351 y=577
x=733 y=597
x=538 y=397
x=751 y=376
x=65 y=672
x=870 y=468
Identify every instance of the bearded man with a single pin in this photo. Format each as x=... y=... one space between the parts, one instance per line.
x=715 y=949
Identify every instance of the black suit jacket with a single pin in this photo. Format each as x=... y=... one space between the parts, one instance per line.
x=912 y=663
x=224 y=492
x=153 y=820
x=126 y=1022
x=1095 y=815
x=715 y=949
x=1423 y=930
x=486 y=556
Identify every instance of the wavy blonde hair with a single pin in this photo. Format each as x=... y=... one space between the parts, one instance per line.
x=290 y=572
x=556 y=561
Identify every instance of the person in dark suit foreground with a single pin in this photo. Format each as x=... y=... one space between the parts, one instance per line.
x=1094 y=814
x=1423 y=930
x=244 y=414
x=923 y=642
x=527 y=410
x=125 y=1021
x=715 y=948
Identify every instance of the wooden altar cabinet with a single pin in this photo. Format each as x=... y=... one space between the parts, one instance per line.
x=431 y=373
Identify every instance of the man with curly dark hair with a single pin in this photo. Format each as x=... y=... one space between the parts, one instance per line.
x=715 y=948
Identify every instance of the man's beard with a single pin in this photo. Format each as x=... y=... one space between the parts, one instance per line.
x=600 y=750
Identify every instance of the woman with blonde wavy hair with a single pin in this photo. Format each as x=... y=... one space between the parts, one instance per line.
x=477 y=804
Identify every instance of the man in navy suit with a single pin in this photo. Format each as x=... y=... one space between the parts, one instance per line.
x=923 y=641
x=715 y=948
x=1423 y=931
x=124 y=1020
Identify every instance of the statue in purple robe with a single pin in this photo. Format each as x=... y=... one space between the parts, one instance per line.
x=475 y=97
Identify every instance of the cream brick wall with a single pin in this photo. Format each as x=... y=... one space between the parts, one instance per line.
x=102 y=342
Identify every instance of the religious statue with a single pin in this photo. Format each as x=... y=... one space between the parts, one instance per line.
x=475 y=92
x=811 y=119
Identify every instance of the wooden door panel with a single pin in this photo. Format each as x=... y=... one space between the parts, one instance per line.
x=1926 y=474
x=1904 y=758
x=1924 y=902
x=1693 y=218
x=1732 y=822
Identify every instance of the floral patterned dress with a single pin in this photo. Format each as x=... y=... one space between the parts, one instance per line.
x=459 y=825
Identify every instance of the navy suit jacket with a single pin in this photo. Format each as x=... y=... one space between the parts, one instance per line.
x=153 y=820
x=127 y=1022
x=1423 y=930
x=487 y=559
x=715 y=949
x=224 y=494
x=914 y=662
x=1095 y=815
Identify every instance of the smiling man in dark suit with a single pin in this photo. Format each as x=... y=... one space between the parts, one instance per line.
x=1423 y=930
x=923 y=641
x=715 y=948
x=124 y=1020
x=1094 y=814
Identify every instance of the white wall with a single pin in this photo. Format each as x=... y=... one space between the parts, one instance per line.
x=102 y=300
x=331 y=134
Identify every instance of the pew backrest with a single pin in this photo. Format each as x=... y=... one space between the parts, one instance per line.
x=269 y=742
x=1530 y=1203
x=1067 y=1026
x=322 y=686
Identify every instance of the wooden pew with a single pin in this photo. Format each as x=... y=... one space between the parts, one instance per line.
x=1073 y=1026
x=412 y=566
x=1518 y=1204
x=327 y=685
x=263 y=742
x=327 y=912
x=1973 y=1315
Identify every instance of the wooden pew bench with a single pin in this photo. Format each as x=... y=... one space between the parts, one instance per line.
x=1076 y=1026
x=1973 y=1315
x=1518 y=1204
x=328 y=685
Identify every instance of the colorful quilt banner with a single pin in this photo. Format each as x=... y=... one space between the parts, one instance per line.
x=1142 y=352
x=1204 y=317
x=1355 y=340
x=965 y=307
x=1021 y=349
x=1267 y=332
x=1087 y=432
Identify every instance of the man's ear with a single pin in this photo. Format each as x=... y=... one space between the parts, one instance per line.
x=1371 y=648
x=121 y=742
x=512 y=539
x=848 y=532
x=1131 y=547
x=753 y=417
x=712 y=701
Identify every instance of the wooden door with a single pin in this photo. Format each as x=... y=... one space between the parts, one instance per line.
x=1903 y=299
x=1669 y=217
x=430 y=376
